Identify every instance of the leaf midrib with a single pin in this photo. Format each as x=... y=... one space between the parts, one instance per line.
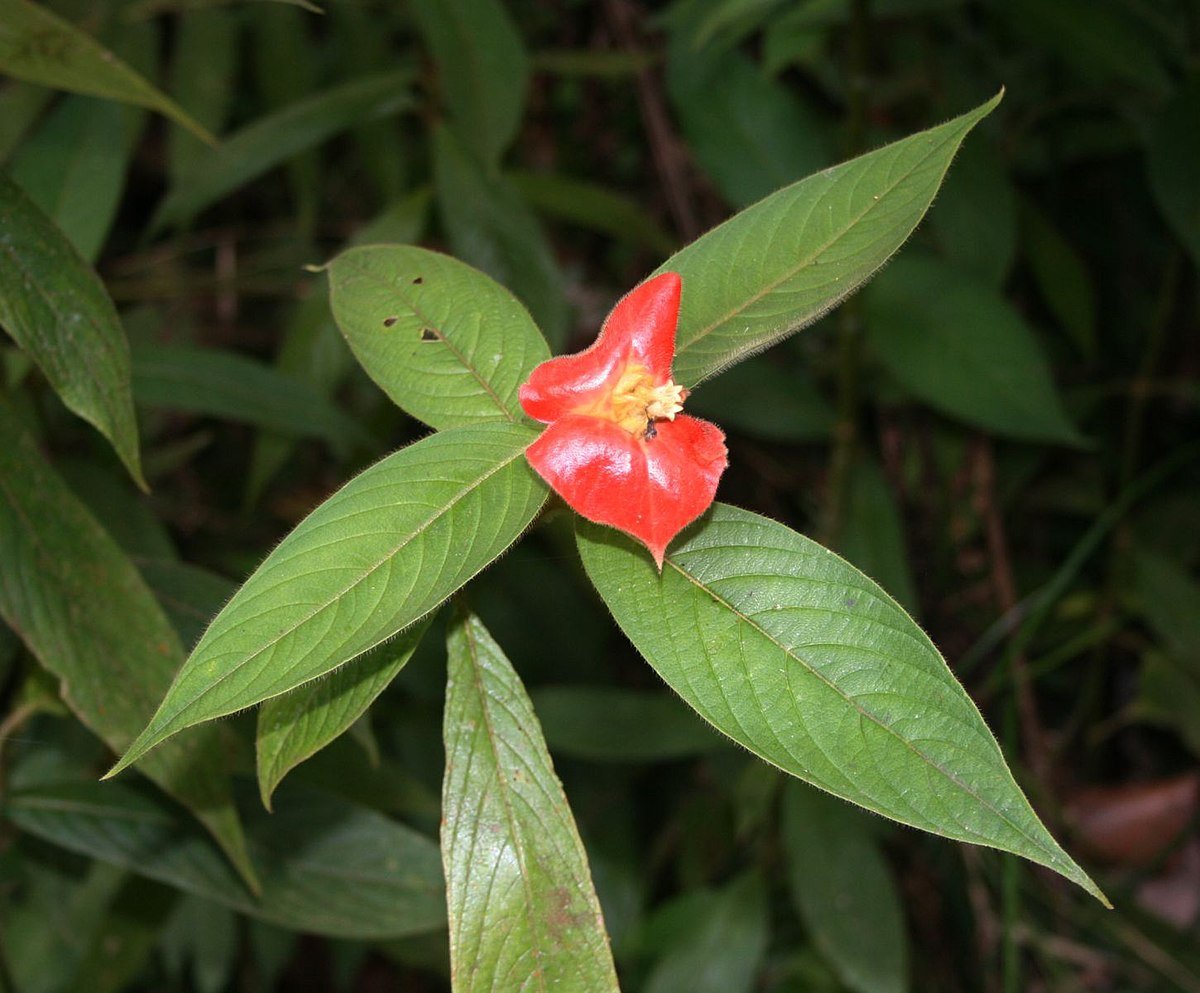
x=1039 y=845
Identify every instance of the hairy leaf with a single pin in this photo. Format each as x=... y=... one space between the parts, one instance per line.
x=794 y=653
x=386 y=549
x=445 y=342
x=523 y=913
x=779 y=265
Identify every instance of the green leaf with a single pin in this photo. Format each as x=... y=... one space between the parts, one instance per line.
x=118 y=950
x=274 y=139
x=40 y=47
x=327 y=866
x=957 y=345
x=190 y=595
x=975 y=218
x=88 y=617
x=722 y=946
x=608 y=724
x=490 y=227
x=1172 y=151
x=214 y=383
x=1061 y=275
x=751 y=134
x=73 y=167
x=844 y=891
x=483 y=71
x=21 y=105
x=378 y=555
x=295 y=726
x=779 y=265
x=1169 y=599
x=593 y=207
x=446 y=343
x=204 y=71
x=57 y=310
x=873 y=534
x=794 y=653
x=523 y=913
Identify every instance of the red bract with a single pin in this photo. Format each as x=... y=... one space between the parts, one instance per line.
x=617 y=449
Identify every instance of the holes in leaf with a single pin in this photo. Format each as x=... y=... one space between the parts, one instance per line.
x=390 y=321
x=418 y=280
x=428 y=334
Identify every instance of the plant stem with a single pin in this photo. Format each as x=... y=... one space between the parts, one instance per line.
x=849 y=325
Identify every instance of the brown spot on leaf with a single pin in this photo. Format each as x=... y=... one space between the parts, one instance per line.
x=428 y=334
x=418 y=280
x=389 y=321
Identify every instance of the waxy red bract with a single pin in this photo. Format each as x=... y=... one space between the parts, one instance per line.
x=617 y=450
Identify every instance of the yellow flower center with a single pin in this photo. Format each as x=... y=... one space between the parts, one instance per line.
x=635 y=403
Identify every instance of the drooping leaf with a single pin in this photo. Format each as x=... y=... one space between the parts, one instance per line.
x=844 y=891
x=327 y=866
x=73 y=167
x=1171 y=155
x=215 y=383
x=57 y=310
x=274 y=139
x=779 y=265
x=386 y=549
x=39 y=46
x=88 y=617
x=794 y=653
x=720 y=947
x=483 y=71
x=445 y=342
x=958 y=346
x=523 y=913
x=750 y=133
x=491 y=228
x=608 y=724
x=297 y=725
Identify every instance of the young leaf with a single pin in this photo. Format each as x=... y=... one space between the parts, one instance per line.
x=523 y=913
x=327 y=866
x=794 y=653
x=378 y=555
x=490 y=227
x=86 y=614
x=57 y=310
x=483 y=71
x=39 y=46
x=779 y=265
x=956 y=344
x=843 y=889
x=274 y=139
x=296 y=725
x=445 y=342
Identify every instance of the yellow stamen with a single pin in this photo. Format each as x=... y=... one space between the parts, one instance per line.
x=635 y=402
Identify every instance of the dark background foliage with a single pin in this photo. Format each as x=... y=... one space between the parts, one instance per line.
x=1001 y=429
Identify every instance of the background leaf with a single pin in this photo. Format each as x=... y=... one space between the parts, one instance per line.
x=958 y=346
x=483 y=71
x=793 y=652
x=39 y=46
x=326 y=866
x=57 y=310
x=1171 y=154
x=447 y=344
x=379 y=554
x=297 y=725
x=975 y=218
x=522 y=910
x=87 y=616
x=779 y=265
x=844 y=891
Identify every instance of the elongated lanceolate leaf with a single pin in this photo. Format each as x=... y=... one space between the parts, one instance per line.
x=274 y=139
x=776 y=267
x=57 y=310
x=379 y=554
x=39 y=46
x=295 y=726
x=449 y=345
x=843 y=889
x=523 y=913
x=793 y=652
x=88 y=617
x=327 y=866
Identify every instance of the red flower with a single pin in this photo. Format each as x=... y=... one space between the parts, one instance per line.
x=617 y=449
